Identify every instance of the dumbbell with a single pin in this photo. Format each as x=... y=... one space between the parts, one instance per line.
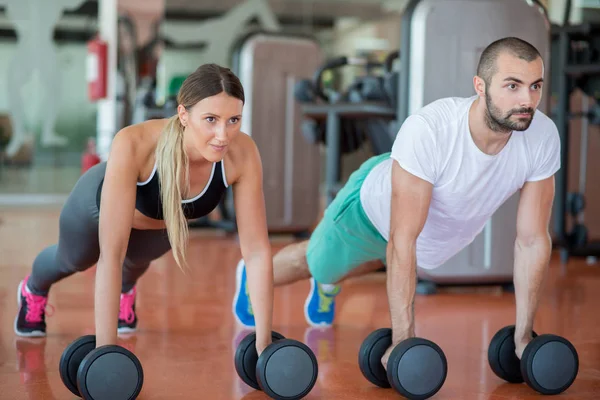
x=286 y=369
x=549 y=363
x=416 y=367
x=107 y=372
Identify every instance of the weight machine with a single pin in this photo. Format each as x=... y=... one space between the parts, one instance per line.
x=576 y=65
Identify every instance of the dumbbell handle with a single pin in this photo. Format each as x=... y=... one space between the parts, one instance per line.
x=337 y=63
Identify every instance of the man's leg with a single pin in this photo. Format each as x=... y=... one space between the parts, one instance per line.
x=341 y=246
x=289 y=264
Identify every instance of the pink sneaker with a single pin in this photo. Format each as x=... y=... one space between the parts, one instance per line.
x=127 y=318
x=31 y=319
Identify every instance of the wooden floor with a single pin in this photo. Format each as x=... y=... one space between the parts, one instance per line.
x=187 y=334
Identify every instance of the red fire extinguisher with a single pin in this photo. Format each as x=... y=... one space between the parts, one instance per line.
x=89 y=157
x=97 y=67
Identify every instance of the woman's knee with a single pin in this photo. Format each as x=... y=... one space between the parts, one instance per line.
x=76 y=258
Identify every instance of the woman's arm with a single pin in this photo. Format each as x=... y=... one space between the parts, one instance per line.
x=254 y=241
x=117 y=208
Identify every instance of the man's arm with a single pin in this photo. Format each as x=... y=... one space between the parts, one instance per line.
x=532 y=253
x=411 y=197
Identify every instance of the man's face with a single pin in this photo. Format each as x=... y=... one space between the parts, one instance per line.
x=514 y=93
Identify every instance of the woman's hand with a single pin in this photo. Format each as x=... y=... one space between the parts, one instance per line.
x=254 y=239
x=261 y=346
x=117 y=207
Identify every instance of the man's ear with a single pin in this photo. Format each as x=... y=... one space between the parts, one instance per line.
x=479 y=85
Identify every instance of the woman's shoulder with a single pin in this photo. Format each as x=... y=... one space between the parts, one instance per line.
x=139 y=140
x=242 y=155
x=142 y=136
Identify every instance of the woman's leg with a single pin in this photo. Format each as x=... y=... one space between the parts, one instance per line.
x=77 y=250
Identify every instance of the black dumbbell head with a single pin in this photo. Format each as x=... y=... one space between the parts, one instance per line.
x=110 y=372
x=502 y=357
x=417 y=368
x=287 y=370
x=549 y=364
x=246 y=358
x=369 y=356
x=71 y=359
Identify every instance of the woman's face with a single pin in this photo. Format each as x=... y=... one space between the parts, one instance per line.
x=211 y=125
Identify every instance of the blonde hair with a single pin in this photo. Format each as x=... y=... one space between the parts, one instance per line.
x=172 y=161
x=172 y=165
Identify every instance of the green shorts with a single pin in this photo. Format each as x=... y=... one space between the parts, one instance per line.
x=345 y=238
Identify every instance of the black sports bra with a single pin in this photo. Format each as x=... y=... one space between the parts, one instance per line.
x=149 y=203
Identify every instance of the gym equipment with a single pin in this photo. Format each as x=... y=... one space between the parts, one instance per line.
x=433 y=34
x=286 y=369
x=549 y=363
x=352 y=133
x=291 y=165
x=391 y=79
x=342 y=120
x=106 y=372
x=416 y=368
x=575 y=66
x=575 y=203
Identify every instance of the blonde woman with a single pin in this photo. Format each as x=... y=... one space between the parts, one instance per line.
x=131 y=210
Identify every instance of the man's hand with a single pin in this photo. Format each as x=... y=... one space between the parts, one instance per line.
x=411 y=197
x=386 y=356
x=533 y=248
x=396 y=341
x=520 y=344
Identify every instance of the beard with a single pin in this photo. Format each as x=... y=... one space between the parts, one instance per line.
x=500 y=122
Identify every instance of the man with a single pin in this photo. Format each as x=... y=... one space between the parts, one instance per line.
x=452 y=165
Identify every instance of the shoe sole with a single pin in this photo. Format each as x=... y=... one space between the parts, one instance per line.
x=307 y=303
x=238 y=286
x=126 y=330
x=17 y=332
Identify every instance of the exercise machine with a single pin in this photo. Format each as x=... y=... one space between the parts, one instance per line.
x=343 y=120
x=272 y=117
x=576 y=66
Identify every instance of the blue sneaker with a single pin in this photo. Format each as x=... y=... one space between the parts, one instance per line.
x=319 y=308
x=242 y=308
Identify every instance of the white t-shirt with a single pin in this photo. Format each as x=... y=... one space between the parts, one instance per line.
x=435 y=144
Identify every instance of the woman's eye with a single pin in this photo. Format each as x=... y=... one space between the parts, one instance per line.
x=234 y=120
x=210 y=119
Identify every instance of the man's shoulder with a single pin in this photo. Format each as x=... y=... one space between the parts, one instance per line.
x=444 y=111
x=440 y=118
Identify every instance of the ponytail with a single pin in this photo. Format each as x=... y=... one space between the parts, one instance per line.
x=172 y=164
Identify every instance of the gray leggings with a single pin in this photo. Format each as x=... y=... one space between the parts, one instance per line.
x=78 y=245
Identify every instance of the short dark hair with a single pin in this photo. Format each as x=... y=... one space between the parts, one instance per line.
x=515 y=46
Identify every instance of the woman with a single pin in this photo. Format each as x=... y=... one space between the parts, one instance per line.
x=126 y=212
